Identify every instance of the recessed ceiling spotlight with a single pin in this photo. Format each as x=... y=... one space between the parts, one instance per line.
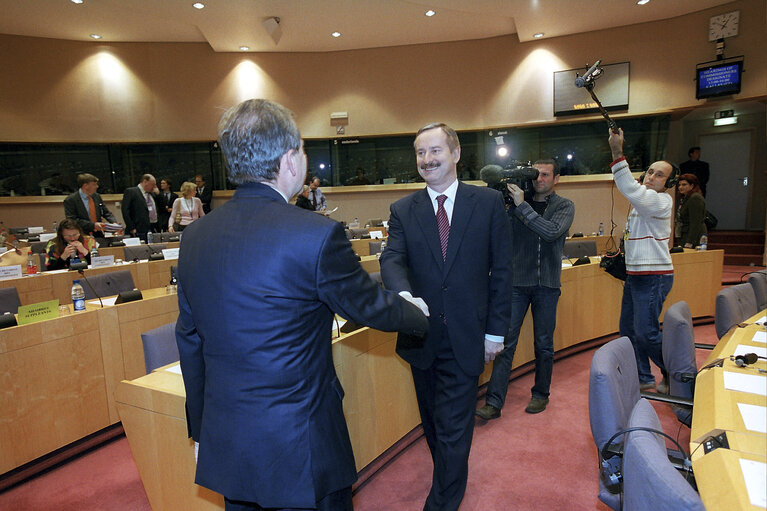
x=95 y=36
x=430 y=13
x=198 y=5
x=244 y=48
x=77 y=1
x=642 y=2
x=336 y=34
x=538 y=35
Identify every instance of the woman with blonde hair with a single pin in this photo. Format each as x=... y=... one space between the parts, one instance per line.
x=186 y=209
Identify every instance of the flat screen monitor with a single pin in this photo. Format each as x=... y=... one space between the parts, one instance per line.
x=718 y=79
x=612 y=89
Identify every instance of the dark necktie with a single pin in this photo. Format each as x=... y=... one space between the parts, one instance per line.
x=314 y=199
x=443 y=224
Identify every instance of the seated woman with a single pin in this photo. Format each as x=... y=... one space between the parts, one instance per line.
x=690 y=212
x=302 y=201
x=186 y=209
x=70 y=243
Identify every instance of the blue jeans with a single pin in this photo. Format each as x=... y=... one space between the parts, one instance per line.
x=543 y=302
x=643 y=297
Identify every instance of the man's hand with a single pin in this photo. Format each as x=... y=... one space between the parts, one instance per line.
x=516 y=193
x=98 y=226
x=616 y=143
x=492 y=349
x=418 y=302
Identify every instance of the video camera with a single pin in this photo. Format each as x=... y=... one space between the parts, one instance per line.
x=521 y=175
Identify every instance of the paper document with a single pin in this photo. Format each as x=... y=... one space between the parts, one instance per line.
x=760 y=336
x=754 y=417
x=108 y=302
x=742 y=349
x=112 y=227
x=761 y=321
x=175 y=369
x=751 y=383
x=755 y=476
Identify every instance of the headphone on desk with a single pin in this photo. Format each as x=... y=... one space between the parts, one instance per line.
x=672 y=178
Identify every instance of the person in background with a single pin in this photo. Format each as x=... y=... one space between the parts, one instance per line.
x=186 y=209
x=690 y=212
x=302 y=201
x=70 y=242
x=165 y=203
x=316 y=196
x=697 y=167
x=204 y=193
x=140 y=207
x=649 y=269
x=86 y=207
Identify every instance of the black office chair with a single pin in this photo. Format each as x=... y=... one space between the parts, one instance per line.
x=375 y=247
x=758 y=281
x=733 y=305
x=359 y=234
x=38 y=247
x=160 y=346
x=9 y=300
x=108 y=284
x=142 y=252
x=375 y=222
x=576 y=248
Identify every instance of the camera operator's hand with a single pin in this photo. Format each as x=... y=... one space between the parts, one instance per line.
x=616 y=143
x=517 y=194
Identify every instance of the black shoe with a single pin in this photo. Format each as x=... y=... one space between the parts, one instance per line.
x=662 y=387
x=537 y=405
x=650 y=385
x=488 y=412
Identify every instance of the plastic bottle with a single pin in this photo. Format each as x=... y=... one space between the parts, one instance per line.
x=149 y=238
x=31 y=264
x=601 y=231
x=55 y=226
x=703 y=245
x=94 y=252
x=356 y=222
x=78 y=296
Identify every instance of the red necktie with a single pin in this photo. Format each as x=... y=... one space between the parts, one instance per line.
x=443 y=224
x=94 y=217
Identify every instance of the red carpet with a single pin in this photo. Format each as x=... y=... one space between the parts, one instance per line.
x=520 y=461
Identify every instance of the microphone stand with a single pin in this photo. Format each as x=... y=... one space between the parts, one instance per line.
x=82 y=274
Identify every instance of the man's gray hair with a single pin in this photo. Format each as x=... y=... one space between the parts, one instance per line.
x=452 y=136
x=253 y=137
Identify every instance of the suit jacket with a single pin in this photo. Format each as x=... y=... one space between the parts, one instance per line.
x=254 y=339
x=162 y=215
x=76 y=210
x=470 y=292
x=135 y=212
x=206 y=197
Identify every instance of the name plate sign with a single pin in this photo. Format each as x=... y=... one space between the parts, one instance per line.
x=131 y=242
x=101 y=261
x=170 y=253
x=38 y=312
x=10 y=272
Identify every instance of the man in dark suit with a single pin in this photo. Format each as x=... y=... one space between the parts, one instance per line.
x=451 y=245
x=86 y=207
x=259 y=280
x=204 y=193
x=140 y=207
x=697 y=167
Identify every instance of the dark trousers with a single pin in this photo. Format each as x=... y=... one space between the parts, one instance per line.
x=643 y=297
x=543 y=303
x=446 y=399
x=336 y=501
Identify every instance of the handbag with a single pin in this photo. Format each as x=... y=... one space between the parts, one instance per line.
x=710 y=220
x=177 y=221
x=614 y=262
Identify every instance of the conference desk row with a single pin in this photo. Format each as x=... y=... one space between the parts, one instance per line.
x=732 y=401
x=379 y=403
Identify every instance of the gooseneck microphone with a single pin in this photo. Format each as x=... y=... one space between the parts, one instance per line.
x=581 y=81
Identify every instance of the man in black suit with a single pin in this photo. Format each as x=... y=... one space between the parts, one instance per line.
x=86 y=207
x=450 y=244
x=204 y=193
x=697 y=167
x=140 y=207
x=254 y=328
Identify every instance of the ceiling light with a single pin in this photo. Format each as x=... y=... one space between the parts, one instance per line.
x=502 y=151
x=336 y=34
x=198 y=5
x=244 y=48
x=430 y=13
x=642 y=2
x=538 y=35
x=95 y=36
x=77 y=1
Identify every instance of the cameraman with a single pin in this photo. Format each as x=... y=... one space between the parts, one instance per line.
x=539 y=227
x=649 y=271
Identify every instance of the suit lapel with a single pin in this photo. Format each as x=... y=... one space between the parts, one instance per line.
x=462 y=210
x=423 y=211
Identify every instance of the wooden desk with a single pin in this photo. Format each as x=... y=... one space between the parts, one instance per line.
x=59 y=375
x=718 y=473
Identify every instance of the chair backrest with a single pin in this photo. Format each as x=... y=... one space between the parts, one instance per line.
x=679 y=355
x=733 y=305
x=160 y=346
x=359 y=234
x=613 y=392
x=375 y=222
x=9 y=300
x=576 y=248
x=38 y=247
x=108 y=284
x=139 y=252
x=375 y=247
x=758 y=281
x=650 y=481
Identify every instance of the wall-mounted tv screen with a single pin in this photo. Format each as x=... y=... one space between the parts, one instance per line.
x=612 y=89
x=720 y=78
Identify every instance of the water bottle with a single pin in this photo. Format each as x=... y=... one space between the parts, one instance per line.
x=31 y=264
x=55 y=226
x=703 y=245
x=148 y=238
x=356 y=222
x=601 y=231
x=78 y=296
x=94 y=252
